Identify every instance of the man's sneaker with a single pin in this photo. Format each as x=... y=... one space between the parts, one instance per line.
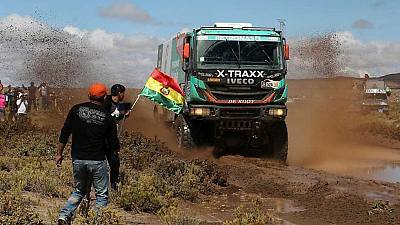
x=62 y=221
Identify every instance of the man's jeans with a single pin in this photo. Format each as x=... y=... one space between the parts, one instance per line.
x=85 y=173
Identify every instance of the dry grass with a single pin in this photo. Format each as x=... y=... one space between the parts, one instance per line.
x=152 y=177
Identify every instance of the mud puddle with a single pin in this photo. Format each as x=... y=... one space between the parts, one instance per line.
x=388 y=173
x=367 y=162
x=217 y=209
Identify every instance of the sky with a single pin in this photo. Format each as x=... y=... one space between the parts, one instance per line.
x=127 y=32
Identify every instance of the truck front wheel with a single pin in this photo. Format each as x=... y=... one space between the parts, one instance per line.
x=183 y=135
x=279 y=141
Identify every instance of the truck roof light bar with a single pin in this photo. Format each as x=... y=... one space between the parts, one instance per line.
x=258 y=28
x=217 y=28
x=233 y=25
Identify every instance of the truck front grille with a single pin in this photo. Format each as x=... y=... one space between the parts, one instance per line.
x=239 y=93
x=240 y=112
x=236 y=124
x=220 y=95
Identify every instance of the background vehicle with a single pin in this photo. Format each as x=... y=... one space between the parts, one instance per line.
x=233 y=75
x=375 y=97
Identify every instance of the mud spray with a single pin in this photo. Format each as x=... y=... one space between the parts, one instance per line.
x=324 y=114
x=47 y=54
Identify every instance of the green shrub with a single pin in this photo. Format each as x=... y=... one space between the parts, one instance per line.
x=171 y=216
x=143 y=195
x=106 y=216
x=251 y=215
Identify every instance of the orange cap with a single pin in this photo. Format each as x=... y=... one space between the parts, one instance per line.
x=97 y=90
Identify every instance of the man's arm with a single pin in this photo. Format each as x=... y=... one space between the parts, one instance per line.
x=59 y=156
x=64 y=136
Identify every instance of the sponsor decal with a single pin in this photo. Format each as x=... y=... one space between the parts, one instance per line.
x=234 y=101
x=240 y=77
x=237 y=38
x=375 y=91
x=240 y=73
x=213 y=79
x=273 y=75
x=205 y=74
x=246 y=77
x=267 y=84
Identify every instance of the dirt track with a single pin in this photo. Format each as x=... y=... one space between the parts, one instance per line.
x=321 y=120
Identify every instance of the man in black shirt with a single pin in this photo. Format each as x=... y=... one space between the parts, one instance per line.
x=93 y=134
x=111 y=105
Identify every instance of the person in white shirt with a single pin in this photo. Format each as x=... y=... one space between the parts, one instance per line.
x=22 y=106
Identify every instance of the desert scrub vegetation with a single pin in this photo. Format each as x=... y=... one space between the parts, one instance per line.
x=172 y=216
x=250 y=215
x=14 y=210
x=35 y=175
x=152 y=177
x=106 y=216
x=387 y=126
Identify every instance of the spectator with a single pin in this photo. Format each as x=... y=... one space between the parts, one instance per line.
x=11 y=102
x=52 y=100
x=91 y=127
x=32 y=97
x=22 y=107
x=44 y=96
x=1 y=86
x=111 y=104
x=3 y=104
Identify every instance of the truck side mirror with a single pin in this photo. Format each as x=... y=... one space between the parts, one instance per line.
x=286 y=52
x=186 y=51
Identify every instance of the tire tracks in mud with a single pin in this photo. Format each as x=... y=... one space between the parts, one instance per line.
x=325 y=198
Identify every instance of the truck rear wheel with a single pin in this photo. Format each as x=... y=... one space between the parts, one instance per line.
x=279 y=141
x=183 y=135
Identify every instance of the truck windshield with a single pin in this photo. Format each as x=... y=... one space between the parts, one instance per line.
x=379 y=96
x=242 y=53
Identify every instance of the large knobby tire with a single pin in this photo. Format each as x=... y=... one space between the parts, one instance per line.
x=279 y=141
x=183 y=135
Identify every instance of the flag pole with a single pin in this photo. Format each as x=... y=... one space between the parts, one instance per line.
x=123 y=120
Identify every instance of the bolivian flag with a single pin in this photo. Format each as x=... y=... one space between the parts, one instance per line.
x=164 y=90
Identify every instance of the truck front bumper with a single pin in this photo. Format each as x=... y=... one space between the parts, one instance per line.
x=237 y=113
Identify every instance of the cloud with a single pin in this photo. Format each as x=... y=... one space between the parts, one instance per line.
x=378 y=4
x=375 y=57
x=126 y=11
x=31 y=50
x=356 y=57
x=124 y=59
x=362 y=24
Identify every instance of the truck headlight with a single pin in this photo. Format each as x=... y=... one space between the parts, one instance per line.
x=277 y=112
x=200 y=111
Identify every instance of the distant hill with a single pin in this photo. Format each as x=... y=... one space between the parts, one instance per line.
x=392 y=80
x=393 y=76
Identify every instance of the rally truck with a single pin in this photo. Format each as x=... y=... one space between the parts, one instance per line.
x=375 y=97
x=233 y=77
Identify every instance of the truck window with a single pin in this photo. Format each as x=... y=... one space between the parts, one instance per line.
x=159 y=58
x=376 y=96
x=248 y=52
